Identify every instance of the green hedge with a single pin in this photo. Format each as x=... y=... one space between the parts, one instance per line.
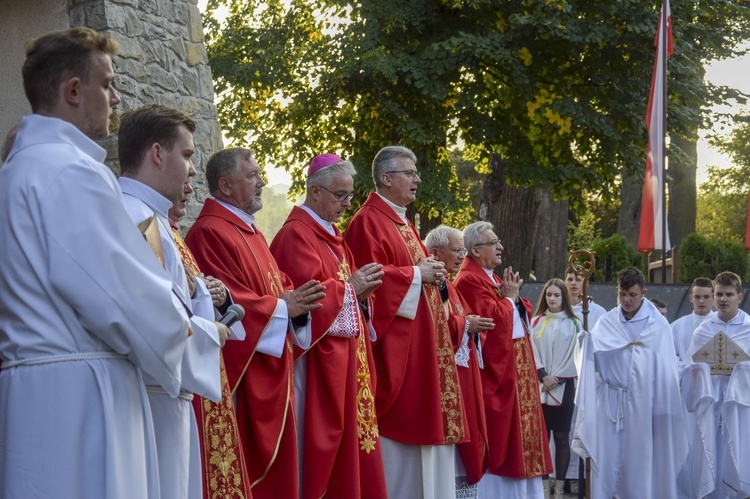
x=705 y=257
x=612 y=255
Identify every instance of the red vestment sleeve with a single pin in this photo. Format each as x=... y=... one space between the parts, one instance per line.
x=398 y=274
x=414 y=357
x=474 y=453
x=515 y=424
x=226 y=248
x=341 y=454
x=228 y=263
x=303 y=259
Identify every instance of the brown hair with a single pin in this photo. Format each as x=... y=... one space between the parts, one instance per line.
x=57 y=56
x=729 y=279
x=141 y=128
x=702 y=282
x=223 y=164
x=629 y=277
x=541 y=306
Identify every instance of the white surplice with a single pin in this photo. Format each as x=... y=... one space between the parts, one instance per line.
x=630 y=416
x=174 y=420
x=84 y=307
x=682 y=334
x=721 y=406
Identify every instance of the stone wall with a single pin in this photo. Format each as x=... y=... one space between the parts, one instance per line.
x=162 y=60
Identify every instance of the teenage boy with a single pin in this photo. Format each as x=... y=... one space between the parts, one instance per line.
x=630 y=417
x=715 y=387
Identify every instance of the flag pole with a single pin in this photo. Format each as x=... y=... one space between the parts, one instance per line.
x=663 y=55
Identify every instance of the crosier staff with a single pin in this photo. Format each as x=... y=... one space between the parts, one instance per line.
x=582 y=263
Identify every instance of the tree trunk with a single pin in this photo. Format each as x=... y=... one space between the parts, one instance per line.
x=532 y=227
x=682 y=189
x=631 y=192
x=551 y=237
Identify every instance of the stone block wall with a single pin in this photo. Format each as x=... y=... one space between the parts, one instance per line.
x=162 y=60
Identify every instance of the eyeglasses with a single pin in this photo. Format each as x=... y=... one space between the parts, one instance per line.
x=412 y=174
x=346 y=196
x=459 y=251
x=494 y=242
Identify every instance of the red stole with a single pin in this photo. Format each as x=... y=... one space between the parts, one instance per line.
x=418 y=395
x=226 y=248
x=475 y=452
x=341 y=447
x=515 y=424
x=222 y=461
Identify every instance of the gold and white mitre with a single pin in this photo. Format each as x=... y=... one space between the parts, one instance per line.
x=721 y=353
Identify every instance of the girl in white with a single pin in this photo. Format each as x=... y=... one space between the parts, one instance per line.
x=553 y=335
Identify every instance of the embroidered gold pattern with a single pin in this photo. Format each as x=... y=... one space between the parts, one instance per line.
x=222 y=441
x=344 y=271
x=450 y=389
x=527 y=390
x=277 y=288
x=225 y=475
x=367 y=425
x=721 y=353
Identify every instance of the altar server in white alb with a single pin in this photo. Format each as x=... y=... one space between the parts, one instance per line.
x=716 y=389
x=630 y=417
x=85 y=306
x=155 y=147
x=702 y=298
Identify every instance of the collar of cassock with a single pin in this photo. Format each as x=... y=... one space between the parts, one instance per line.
x=153 y=199
x=245 y=217
x=737 y=319
x=400 y=210
x=328 y=226
x=491 y=275
x=643 y=312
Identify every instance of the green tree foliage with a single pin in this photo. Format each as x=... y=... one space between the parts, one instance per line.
x=612 y=255
x=722 y=204
x=276 y=208
x=593 y=218
x=723 y=197
x=705 y=257
x=582 y=235
x=557 y=87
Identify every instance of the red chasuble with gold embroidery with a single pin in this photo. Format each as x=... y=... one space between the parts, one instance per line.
x=474 y=453
x=515 y=424
x=418 y=397
x=341 y=447
x=226 y=248
x=222 y=460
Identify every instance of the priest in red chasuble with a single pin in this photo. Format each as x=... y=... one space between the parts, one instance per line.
x=334 y=378
x=446 y=244
x=519 y=450
x=227 y=245
x=222 y=462
x=418 y=397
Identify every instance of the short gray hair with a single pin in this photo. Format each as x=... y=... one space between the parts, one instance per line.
x=323 y=176
x=224 y=164
x=473 y=233
x=385 y=160
x=438 y=237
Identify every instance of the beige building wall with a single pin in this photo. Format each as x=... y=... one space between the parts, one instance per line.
x=161 y=60
x=21 y=20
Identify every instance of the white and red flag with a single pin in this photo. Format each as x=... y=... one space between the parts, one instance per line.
x=652 y=235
